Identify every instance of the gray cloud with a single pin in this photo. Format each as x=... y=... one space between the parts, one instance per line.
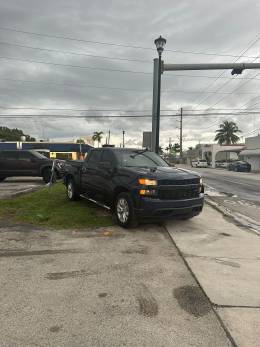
x=223 y=27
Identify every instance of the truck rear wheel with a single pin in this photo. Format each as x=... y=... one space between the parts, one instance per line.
x=124 y=210
x=72 y=193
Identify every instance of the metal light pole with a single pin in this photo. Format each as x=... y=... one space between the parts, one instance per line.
x=123 y=139
x=159 y=43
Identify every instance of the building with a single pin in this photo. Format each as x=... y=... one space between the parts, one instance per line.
x=252 y=152
x=214 y=152
x=57 y=150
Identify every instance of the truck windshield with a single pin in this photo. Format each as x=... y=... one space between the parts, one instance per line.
x=140 y=159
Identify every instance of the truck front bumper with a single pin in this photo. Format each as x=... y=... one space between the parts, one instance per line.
x=156 y=209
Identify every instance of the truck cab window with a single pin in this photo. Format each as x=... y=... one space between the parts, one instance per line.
x=94 y=157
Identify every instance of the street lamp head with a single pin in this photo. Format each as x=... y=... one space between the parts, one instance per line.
x=160 y=43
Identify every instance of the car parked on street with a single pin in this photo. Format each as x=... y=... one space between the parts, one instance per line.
x=239 y=166
x=199 y=163
x=25 y=163
x=136 y=184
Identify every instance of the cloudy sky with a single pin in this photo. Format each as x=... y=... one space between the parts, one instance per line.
x=68 y=66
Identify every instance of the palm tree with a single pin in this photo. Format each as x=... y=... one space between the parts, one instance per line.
x=97 y=136
x=226 y=134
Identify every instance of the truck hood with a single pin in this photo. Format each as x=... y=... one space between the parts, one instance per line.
x=166 y=172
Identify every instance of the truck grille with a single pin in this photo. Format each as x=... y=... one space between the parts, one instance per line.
x=178 y=193
x=179 y=182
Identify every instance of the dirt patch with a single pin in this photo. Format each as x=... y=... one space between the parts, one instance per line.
x=23 y=253
x=192 y=300
x=136 y=250
x=55 y=329
x=69 y=274
x=224 y=234
x=148 y=306
x=102 y=295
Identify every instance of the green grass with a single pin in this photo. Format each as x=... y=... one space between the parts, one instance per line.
x=50 y=208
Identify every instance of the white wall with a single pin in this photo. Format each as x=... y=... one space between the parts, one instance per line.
x=254 y=161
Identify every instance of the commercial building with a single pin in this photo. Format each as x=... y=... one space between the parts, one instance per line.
x=252 y=152
x=59 y=150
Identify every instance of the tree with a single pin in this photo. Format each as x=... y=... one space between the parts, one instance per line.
x=80 y=141
x=15 y=134
x=226 y=134
x=97 y=136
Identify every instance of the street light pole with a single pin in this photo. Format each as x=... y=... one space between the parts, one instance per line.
x=160 y=43
x=157 y=139
x=123 y=139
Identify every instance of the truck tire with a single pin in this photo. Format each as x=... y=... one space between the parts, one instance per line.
x=46 y=175
x=72 y=193
x=124 y=211
x=2 y=178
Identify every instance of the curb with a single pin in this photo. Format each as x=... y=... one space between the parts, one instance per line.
x=239 y=219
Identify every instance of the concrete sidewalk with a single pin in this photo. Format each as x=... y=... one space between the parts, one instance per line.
x=225 y=259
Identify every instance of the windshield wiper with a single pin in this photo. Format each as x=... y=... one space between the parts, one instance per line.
x=139 y=152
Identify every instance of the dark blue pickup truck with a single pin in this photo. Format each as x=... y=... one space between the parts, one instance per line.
x=138 y=185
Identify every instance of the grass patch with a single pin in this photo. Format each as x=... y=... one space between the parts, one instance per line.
x=50 y=208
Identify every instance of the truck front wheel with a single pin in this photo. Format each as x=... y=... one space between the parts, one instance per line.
x=124 y=210
x=72 y=193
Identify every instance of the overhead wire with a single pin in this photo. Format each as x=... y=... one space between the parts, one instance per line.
x=241 y=54
x=115 y=44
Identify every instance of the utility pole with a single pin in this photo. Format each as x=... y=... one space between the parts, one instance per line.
x=108 y=141
x=181 y=115
x=160 y=67
x=123 y=139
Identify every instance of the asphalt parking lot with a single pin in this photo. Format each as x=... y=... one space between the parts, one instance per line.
x=104 y=287
x=14 y=186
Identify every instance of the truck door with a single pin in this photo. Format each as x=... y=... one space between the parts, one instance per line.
x=89 y=173
x=105 y=174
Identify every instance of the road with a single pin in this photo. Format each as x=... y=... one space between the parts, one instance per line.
x=242 y=184
x=236 y=193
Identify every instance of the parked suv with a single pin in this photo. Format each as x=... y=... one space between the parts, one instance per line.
x=136 y=184
x=24 y=163
x=239 y=166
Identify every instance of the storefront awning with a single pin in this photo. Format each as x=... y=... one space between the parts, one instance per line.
x=250 y=152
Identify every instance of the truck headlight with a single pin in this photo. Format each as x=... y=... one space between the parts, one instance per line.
x=201 y=189
x=147 y=182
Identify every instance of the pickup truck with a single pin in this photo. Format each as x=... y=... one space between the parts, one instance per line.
x=137 y=185
x=26 y=163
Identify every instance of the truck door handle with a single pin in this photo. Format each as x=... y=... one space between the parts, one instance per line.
x=84 y=169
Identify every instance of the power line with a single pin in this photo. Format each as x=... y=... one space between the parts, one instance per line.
x=74 y=85
x=75 y=66
x=241 y=54
x=124 y=110
x=56 y=116
x=117 y=88
x=118 y=70
x=118 y=44
x=74 y=53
